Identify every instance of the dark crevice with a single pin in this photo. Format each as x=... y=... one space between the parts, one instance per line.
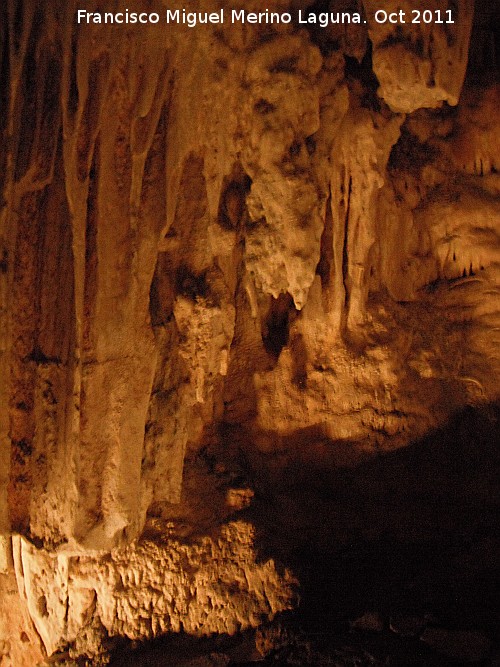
x=232 y=204
x=40 y=358
x=310 y=142
x=287 y=65
x=28 y=112
x=363 y=73
x=91 y=265
x=264 y=107
x=18 y=24
x=73 y=96
x=4 y=261
x=324 y=268
x=345 y=248
x=97 y=74
x=410 y=155
x=276 y=329
x=190 y=285
x=51 y=118
x=161 y=293
x=327 y=40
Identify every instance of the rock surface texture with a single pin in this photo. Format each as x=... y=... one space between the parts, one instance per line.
x=229 y=255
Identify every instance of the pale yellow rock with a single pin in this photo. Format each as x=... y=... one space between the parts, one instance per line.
x=418 y=61
x=147 y=589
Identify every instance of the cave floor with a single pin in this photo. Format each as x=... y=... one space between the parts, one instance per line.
x=398 y=561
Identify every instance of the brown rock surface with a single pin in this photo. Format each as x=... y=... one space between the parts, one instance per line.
x=266 y=247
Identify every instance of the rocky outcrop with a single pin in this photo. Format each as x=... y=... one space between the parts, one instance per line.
x=420 y=52
x=146 y=590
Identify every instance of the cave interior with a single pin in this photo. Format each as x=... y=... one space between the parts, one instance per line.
x=249 y=336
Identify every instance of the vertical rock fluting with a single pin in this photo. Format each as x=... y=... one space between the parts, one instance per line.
x=81 y=345
x=240 y=225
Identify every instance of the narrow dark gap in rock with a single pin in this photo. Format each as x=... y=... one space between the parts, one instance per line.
x=364 y=74
x=17 y=23
x=319 y=35
x=97 y=73
x=345 y=248
x=91 y=258
x=155 y=301
x=51 y=117
x=277 y=323
x=191 y=285
x=73 y=93
x=161 y=291
x=28 y=112
x=232 y=202
x=324 y=268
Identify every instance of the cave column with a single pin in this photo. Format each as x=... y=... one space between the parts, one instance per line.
x=362 y=150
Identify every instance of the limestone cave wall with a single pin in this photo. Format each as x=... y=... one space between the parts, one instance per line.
x=228 y=255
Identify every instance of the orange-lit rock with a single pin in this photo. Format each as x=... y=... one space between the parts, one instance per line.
x=269 y=249
x=420 y=56
x=145 y=590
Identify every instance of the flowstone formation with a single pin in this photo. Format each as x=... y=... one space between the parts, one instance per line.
x=228 y=254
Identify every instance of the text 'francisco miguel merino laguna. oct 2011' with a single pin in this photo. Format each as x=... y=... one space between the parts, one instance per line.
x=233 y=16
